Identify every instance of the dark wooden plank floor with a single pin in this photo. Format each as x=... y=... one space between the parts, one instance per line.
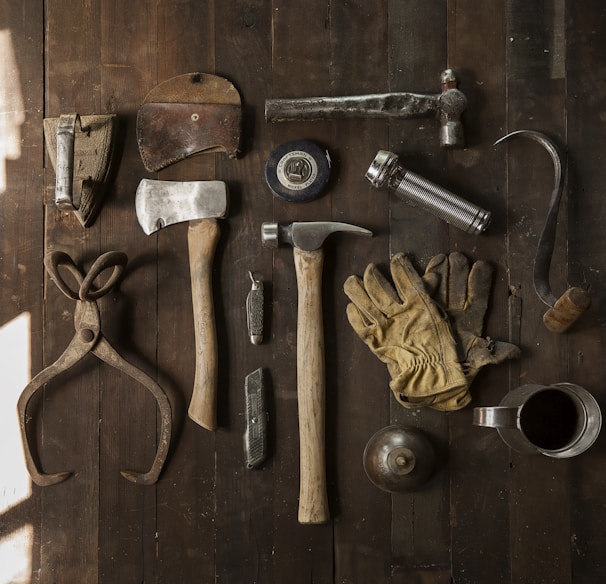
x=489 y=514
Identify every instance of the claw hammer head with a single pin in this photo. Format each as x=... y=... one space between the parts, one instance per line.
x=306 y=235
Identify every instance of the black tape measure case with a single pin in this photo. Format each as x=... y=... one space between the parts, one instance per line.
x=297 y=171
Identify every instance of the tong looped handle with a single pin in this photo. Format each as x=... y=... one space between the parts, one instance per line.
x=111 y=259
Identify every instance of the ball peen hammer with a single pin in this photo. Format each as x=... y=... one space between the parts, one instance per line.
x=306 y=239
x=448 y=106
x=162 y=203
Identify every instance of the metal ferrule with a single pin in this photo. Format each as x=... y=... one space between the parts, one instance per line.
x=419 y=192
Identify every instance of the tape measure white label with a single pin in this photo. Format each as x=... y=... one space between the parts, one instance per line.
x=297 y=170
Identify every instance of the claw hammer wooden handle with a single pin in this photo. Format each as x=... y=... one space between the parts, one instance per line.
x=202 y=238
x=311 y=387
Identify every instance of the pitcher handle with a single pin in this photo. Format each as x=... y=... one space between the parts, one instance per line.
x=496 y=417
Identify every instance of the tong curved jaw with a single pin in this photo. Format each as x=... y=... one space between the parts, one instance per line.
x=89 y=339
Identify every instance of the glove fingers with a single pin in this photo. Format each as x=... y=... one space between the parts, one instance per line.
x=360 y=324
x=480 y=282
x=436 y=278
x=381 y=292
x=432 y=283
x=505 y=351
x=458 y=271
x=488 y=352
x=355 y=291
x=408 y=283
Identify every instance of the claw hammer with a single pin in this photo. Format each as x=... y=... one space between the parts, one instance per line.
x=307 y=239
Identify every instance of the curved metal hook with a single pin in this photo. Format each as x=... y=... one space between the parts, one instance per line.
x=566 y=309
x=542 y=262
x=74 y=353
x=106 y=353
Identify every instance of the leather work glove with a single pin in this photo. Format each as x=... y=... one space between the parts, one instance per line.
x=464 y=294
x=409 y=332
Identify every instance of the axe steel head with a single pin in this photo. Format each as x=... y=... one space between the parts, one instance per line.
x=160 y=203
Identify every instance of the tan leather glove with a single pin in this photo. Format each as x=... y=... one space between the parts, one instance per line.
x=464 y=294
x=407 y=331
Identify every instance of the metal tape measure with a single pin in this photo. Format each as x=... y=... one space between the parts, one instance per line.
x=297 y=171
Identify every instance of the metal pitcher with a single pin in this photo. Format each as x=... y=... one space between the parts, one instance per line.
x=559 y=420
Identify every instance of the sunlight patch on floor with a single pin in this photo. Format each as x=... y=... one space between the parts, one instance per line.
x=12 y=113
x=15 y=484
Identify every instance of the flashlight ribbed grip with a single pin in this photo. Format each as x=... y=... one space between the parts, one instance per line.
x=419 y=192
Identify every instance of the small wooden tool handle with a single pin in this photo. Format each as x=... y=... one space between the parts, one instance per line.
x=313 y=498
x=203 y=236
x=567 y=309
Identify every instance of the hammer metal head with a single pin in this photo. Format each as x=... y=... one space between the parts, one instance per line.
x=159 y=203
x=306 y=235
x=451 y=104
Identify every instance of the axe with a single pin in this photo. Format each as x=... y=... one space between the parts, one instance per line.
x=162 y=203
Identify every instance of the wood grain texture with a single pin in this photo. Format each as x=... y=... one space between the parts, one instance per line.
x=585 y=143
x=311 y=387
x=72 y=72
x=420 y=518
x=181 y=40
x=536 y=100
x=21 y=271
x=245 y=500
x=486 y=511
x=357 y=396
x=305 y=552
x=479 y=464
x=202 y=238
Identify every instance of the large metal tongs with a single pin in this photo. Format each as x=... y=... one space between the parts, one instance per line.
x=566 y=309
x=90 y=339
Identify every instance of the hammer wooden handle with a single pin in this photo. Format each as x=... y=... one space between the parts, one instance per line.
x=313 y=498
x=203 y=236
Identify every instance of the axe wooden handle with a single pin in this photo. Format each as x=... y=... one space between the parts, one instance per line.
x=313 y=499
x=202 y=238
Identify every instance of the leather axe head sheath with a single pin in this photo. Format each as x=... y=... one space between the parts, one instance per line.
x=187 y=115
